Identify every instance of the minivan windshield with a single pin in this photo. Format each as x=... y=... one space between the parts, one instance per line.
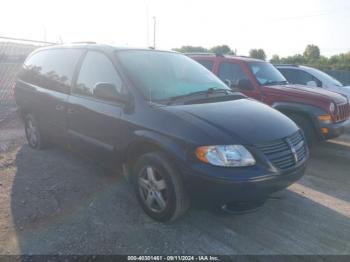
x=266 y=73
x=166 y=75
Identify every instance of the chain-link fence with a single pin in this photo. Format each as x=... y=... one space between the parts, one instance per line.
x=13 y=52
x=342 y=75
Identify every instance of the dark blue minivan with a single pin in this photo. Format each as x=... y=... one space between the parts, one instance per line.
x=177 y=131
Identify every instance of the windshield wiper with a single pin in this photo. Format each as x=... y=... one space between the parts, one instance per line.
x=207 y=92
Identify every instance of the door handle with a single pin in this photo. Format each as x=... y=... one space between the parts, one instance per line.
x=70 y=111
x=59 y=107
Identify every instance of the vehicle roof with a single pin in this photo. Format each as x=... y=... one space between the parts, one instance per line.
x=96 y=46
x=225 y=57
x=286 y=65
x=294 y=66
x=291 y=66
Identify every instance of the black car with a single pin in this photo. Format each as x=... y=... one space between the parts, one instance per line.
x=175 y=129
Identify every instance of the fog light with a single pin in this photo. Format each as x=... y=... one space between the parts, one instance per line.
x=324 y=130
x=325 y=118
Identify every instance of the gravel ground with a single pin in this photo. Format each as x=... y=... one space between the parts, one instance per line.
x=54 y=202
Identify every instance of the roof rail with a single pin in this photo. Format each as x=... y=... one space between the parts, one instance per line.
x=84 y=42
x=204 y=54
x=220 y=55
x=285 y=65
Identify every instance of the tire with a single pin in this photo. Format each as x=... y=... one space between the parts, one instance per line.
x=159 y=187
x=34 y=135
x=306 y=125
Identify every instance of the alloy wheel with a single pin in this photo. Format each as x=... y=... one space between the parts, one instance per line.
x=153 y=189
x=32 y=133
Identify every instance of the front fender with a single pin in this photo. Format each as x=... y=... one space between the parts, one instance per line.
x=174 y=147
x=312 y=112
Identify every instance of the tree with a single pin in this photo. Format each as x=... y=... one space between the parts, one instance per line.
x=312 y=52
x=275 y=59
x=295 y=59
x=313 y=58
x=191 y=49
x=257 y=53
x=222 y=50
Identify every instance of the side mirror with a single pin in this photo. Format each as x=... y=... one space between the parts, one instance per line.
x=244 y=84
x=108 y=91
x=311 y=83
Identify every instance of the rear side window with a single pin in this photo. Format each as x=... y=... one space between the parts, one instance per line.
x=206 y=63
x=52 y=69
x=232 y=72
x=96 y=68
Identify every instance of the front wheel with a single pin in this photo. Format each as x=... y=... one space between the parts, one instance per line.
x=306 y=125
x=159 y=187
x=33 y=133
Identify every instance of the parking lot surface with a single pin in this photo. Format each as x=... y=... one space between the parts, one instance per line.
x=55 y=202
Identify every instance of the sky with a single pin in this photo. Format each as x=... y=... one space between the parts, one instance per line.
x=278 y=26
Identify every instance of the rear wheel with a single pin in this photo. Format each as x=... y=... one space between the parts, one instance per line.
x=306 y=125
x=34 y=135
x=159 y=187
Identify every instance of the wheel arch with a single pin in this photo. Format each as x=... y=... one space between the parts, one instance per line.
x=307 y=111
x=149 y=141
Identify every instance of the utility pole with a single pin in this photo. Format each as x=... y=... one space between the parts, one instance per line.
x=154 y=32
x=147 y=25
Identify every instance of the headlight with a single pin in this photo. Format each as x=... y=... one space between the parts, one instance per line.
x=332 y=107
x=225 y=155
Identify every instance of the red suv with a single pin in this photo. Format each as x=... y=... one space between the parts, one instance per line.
x=320 y=113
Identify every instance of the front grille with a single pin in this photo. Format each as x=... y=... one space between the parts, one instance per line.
x=342 y=113
x=287 y=152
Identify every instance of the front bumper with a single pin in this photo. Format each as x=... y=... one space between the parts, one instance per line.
x=210 y=190
x=335 y=129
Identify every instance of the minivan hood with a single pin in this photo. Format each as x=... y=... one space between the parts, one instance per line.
x=303 y=91
x=245 y=121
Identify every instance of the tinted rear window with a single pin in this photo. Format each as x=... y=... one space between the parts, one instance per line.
x=52 y=69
